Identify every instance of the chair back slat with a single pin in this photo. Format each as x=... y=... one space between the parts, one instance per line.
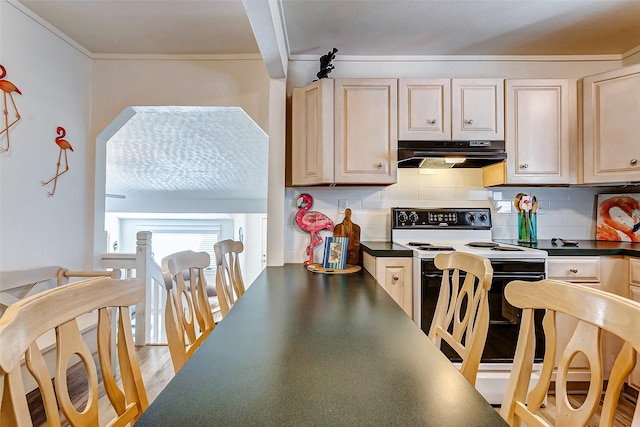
x=595 y=311
x=229 y=282
x=188 y=316
x=58 y=309
x=461 y=318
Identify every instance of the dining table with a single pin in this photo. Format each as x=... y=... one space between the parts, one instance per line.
x=303 y=348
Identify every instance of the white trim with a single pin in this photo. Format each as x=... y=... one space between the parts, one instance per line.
x=465 y=58
x=179 y=57
x=62 y=36
x=631 y=52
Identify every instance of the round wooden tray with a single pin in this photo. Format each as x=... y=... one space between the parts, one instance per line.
x=318 y=268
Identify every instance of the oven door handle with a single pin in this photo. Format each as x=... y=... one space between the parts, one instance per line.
x=524 y=276
x=432 y=275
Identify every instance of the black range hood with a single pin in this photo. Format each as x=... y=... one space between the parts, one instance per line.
x=443 y=154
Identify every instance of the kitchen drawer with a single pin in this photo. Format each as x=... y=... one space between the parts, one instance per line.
x=634 y=271
x=369 y=263
x=574 y=269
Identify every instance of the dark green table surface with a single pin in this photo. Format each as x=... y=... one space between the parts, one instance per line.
x=303 y=348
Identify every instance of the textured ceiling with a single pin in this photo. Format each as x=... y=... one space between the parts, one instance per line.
x=188 y=152
x=356 y=27
x=471 y=27
x=151 y=26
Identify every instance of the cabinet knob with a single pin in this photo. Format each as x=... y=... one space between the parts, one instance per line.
x=380 y=165
x=396 y=278
x=634 y=162
x=468 y=122
x=524 y=165
x=573 y=270
x=432 y=121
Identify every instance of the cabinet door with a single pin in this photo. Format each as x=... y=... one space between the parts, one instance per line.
x=312 y=134
x=537 y=131
x=424 y=109
x=584 y=271
x=611 y=134
x=607 y=273
x=634 y=377
x=634 y=271
x=477 y=109
x=395 y=276
x=366 y=131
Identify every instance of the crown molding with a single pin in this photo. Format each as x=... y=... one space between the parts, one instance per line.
x=465 y=58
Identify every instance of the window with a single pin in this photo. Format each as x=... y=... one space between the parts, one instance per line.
x=166 y=241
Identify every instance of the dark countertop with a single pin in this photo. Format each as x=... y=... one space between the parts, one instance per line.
x=584 y=248
x=302 y=348
x=385 y=249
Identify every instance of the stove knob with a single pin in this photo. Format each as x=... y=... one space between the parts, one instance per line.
x=482 y=217
x=472 y=218
x=402 y=216
x=413 y=217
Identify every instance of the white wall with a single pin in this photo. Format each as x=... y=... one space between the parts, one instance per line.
x=55 y=80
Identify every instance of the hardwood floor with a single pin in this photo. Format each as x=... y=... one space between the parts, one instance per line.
x=157 y=371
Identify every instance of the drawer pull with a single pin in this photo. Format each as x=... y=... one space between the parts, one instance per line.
x=396 y=278
x=524 y=165
x=432 y=122
x=634 y=162
x=573 y=270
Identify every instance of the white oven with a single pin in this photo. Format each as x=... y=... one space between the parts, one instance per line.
x=431 y=231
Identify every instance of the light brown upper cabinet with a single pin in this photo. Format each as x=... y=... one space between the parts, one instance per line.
x=424 y=109
x=611 y=133
x=344 y=131
x=477 y=109
x=541 y=132
x=451 y=109
x=540 y=123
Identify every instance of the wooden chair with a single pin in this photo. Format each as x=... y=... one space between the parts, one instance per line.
x=188 y=317
x=229 y=283
x=461 y=317
x=25 y=321
x=16 y=285
x=595 y=311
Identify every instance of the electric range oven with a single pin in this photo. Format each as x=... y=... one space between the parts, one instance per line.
x=431 y=231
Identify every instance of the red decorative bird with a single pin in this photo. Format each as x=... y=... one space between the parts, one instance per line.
x=311 y=221
x=64 y=146
x=7 y=89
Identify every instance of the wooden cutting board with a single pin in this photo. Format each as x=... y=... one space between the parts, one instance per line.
x=348 y=229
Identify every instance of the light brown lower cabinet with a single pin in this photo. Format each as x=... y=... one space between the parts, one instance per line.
x=602 y=272
x=634 y=294
x=395 y=275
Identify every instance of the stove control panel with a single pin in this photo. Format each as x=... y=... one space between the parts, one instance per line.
x=426 y=218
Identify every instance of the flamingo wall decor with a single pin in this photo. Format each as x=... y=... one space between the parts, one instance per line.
x=311 y=221
x=64 y=146
x=7 y=89
x=618 y=217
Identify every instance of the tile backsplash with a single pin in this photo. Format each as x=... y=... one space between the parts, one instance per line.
x=565 y=212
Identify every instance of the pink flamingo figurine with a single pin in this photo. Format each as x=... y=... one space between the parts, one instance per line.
x=311 y=221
